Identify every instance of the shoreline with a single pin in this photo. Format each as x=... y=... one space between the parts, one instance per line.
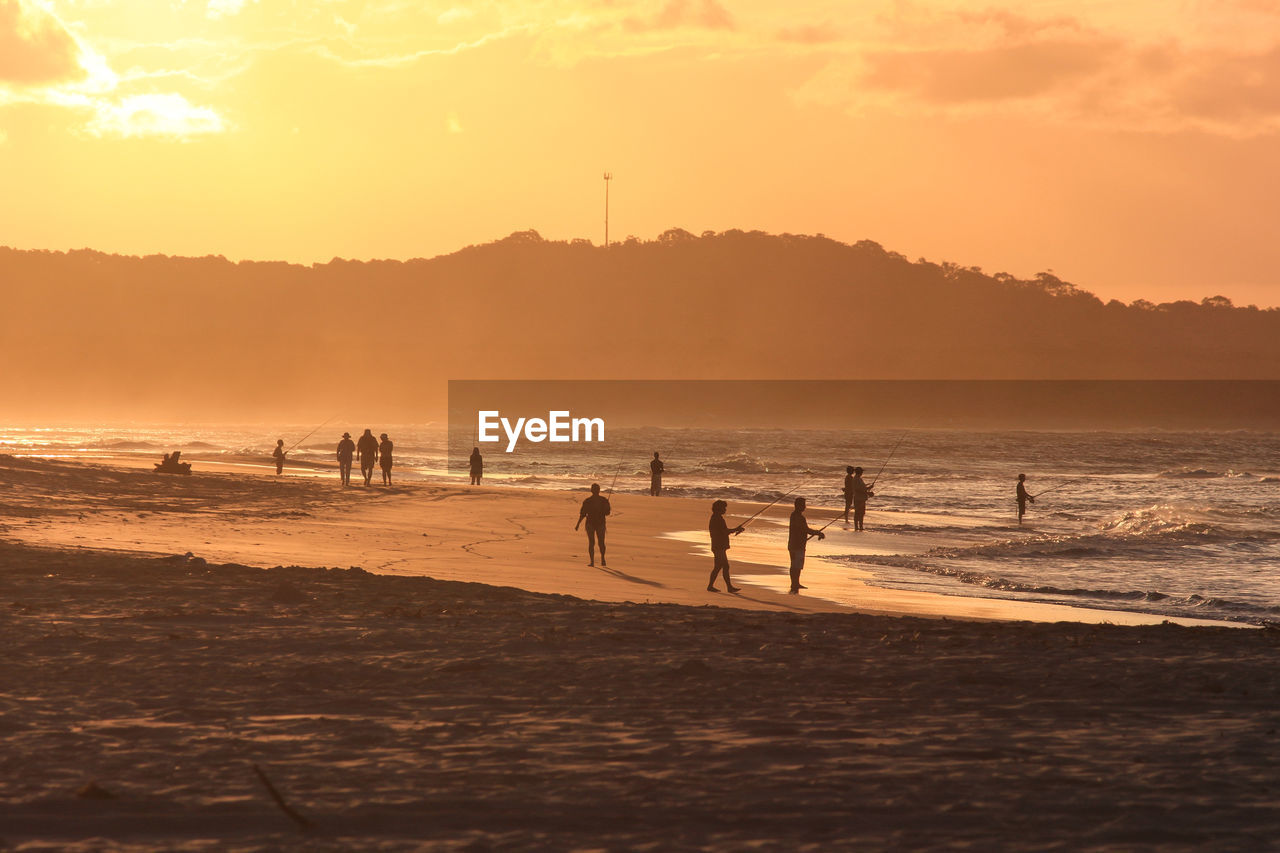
x=505 y=536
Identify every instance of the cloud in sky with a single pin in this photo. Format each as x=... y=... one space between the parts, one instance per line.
x=1137 y=65
x=167 y=115
x=674 y=14
x=43 y=62
x=35 y=48
x=1057 y=69
x=225 y=8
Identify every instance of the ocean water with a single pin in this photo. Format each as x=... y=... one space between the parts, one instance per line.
x=1177 y=523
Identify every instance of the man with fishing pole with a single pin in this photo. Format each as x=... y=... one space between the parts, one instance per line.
x=798 y=535
x=1023 y=498
x=856 y=492
x=720 y=531
x=655 y=475
x=594 y=509
x=860 y=491
x=281 y=451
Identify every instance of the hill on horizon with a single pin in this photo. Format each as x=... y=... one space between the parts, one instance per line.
x=159 y=337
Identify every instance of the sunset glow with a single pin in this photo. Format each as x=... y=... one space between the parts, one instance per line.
x=1127 y=146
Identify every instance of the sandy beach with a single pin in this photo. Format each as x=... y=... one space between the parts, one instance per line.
x=392 y=711
x=491 y=534
x=369 y=651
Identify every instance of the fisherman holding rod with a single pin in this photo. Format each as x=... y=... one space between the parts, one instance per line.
x=594 y=510
x=720 y=532
x=281 y=451
x=798 y=536
x=856 y=492
x=1022 y=497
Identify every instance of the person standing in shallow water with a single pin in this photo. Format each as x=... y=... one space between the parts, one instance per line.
x=655 y=479
x=720 y=546
x=797 y=540
x=346 y=450
x=848 y=491
x=384 y=459
x=278 y=453
x=367 y=450
x=477 y=466
x=1023 y=497
x=594 y=509
x=861 y=491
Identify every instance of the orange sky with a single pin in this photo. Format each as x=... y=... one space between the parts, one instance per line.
x=1129 y=145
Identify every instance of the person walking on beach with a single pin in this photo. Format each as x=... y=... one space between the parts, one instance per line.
x=594 y=509
x=477 y=466
x=278 y=453
x=655 y=479
x=367 y=450
x=797 y=540
x=1023 y=497
x=346 y=450
x=860 y=492
x=384 y=459
x=720 y=546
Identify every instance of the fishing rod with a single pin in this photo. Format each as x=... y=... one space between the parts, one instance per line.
x=876 y=478
x=616 y=471
x=775 y=500
x=1054 y=489
x=308 y=435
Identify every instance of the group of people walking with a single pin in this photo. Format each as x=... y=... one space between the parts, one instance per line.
x=370 y=451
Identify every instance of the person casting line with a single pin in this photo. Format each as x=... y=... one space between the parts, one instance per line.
x=797 y=540
x=655 y=470
x=594 y=509
x=859 y=491
x=720 y=546
x=1022 y=497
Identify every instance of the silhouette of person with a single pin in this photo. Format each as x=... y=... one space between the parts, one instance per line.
x=367 y=450
x=1023 y=497
x=720 y=531
x=860 y=491
x=477 y=466
x=594 y=509
x=346 y=450
x=655 y=470
x=278 y=453
x=797 y=540
x=384 y=459
x=848 y=491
